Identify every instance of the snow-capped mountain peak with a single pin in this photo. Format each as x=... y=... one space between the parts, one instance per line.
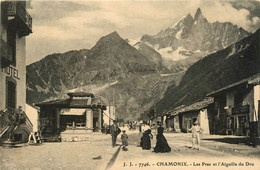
x=195 y=35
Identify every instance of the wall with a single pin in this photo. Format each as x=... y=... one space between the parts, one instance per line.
x=163 y=121
x=106 y=114
x=2 y=75
x=176 y=124
x=204 y=121
x=32 y=114
x=20 y=66
x=248 y=99
x=256 y=100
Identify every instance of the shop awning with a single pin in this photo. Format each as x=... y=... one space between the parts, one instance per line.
x=75 y=112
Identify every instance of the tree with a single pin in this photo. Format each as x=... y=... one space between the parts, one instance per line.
x=15 y=118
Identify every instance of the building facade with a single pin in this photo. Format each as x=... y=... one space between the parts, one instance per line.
x=80 y=113
x=182 y=118
x=33 y=113
x=237 y=107
x=109 y=115
x=15 y=25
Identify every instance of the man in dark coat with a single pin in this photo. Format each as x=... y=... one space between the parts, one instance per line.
x=114 y=131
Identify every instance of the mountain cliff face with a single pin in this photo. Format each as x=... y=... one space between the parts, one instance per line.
x=135 y=77
x=111 y=61
x=234 y=63
x=193 y=38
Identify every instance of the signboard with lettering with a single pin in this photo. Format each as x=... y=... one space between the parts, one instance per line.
x=240 y=109
x=11 y=71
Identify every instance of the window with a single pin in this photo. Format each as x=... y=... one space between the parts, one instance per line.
x=11 y=39
x=10 y=94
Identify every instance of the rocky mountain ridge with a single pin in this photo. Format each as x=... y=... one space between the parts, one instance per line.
x=234 y=63
x=191 y=39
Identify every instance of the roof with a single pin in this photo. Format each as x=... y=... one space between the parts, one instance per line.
x=80 y=94
x=74 y=103
x=250 y=80
x=193 y=107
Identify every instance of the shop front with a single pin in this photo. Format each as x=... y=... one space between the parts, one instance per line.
x=238 y=122
x=82 y=112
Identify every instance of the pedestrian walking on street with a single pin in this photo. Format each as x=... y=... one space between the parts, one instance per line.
x=114 y=131
x=195 y=130
x=161 y=142
x=124 y=138
x=146 y=138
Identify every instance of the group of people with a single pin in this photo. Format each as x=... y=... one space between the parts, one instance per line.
x=161 y=142
x=115 y=131
x=145 y=134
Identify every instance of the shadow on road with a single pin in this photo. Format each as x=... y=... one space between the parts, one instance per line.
x=112 y=160
x=231 y=140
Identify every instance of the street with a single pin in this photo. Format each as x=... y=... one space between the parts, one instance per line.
x=92 y=155
x=228 y=152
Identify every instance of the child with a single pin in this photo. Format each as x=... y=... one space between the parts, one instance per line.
x=124 y=138
x=196 y=130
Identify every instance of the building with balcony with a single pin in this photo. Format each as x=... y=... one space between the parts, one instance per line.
x=236 y=107
x=15 y=25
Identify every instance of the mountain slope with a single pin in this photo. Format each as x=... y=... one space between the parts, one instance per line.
x=112 y=60
x=215 y=71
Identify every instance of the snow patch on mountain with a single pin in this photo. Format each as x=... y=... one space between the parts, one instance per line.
x=168 y=54
x=178 y=35
x=237 y=49
x=177 y=55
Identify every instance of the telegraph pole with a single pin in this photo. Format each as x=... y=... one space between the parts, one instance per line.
x=109 y=96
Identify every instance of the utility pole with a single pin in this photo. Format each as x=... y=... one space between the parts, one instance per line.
x=109 y=96
x=154 y=90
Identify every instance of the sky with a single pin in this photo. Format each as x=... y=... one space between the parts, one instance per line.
x=61 y=26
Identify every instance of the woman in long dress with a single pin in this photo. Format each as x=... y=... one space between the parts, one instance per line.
x=161 y=143
x=146 y=138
